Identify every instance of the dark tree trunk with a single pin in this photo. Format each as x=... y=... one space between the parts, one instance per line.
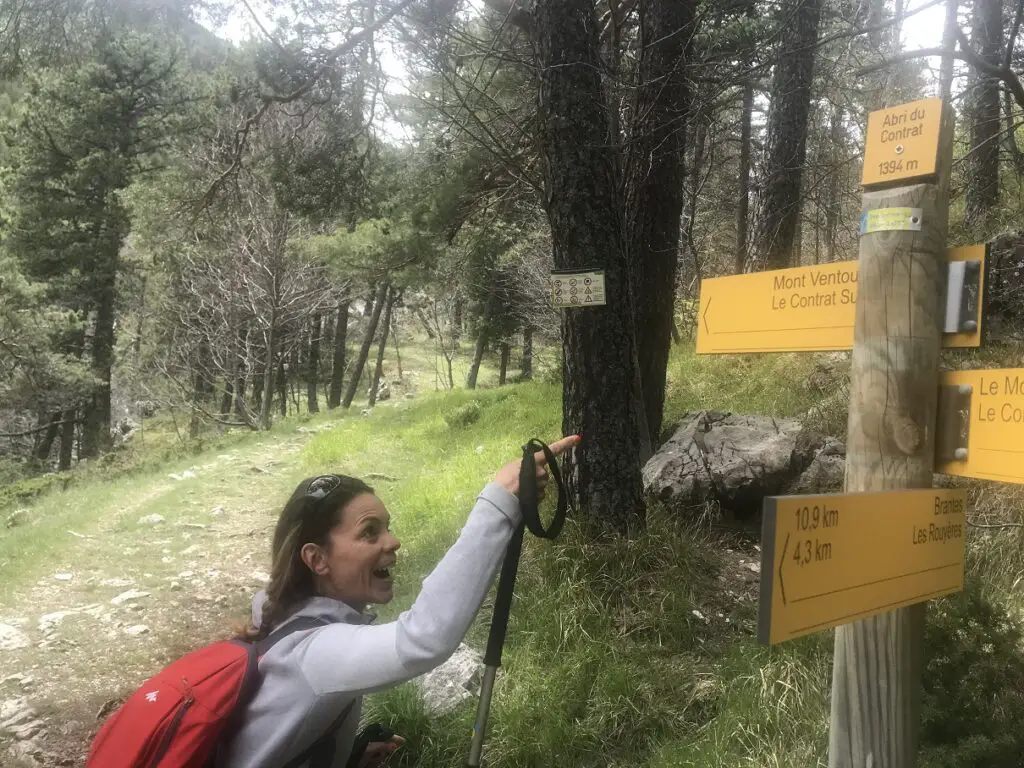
x=423 y=321
x=370 y=303
x=313 y=366
x=241 y=355
x=67 y=441
x=282 y=386
x=506 y=352
x=949 y=28
x=45 y=444
x=481 y=345
x=654 y=191
x=743 y=199
x=257 y=390
x=267 y=388
x=834 y=200
x=378 y=370
x=226 y=399
x=364 y=350
x=584 y=209
x=777 y=222
x=982 y=194
x=527 y=364
x=96 y=437
x=338 y=362
x=398 y=350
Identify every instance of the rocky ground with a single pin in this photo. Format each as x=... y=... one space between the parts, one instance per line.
x=175 y=562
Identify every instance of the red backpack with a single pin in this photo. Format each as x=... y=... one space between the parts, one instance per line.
x=182 y=715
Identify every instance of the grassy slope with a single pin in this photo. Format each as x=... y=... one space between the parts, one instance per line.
x=619 y=653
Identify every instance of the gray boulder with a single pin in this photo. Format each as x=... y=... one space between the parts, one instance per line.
x=826 y=471
x=455 y=681
x=735 y=460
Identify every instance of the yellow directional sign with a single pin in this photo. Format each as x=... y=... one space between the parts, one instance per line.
x=803 y=309
x=902 y=142
x=834 y=559
x=991 y=425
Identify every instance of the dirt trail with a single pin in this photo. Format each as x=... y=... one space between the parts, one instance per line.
x=170 y=566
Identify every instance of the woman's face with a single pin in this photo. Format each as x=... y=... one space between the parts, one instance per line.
x=355 y=566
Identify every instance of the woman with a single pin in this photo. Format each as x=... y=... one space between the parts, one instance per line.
x=333 y=552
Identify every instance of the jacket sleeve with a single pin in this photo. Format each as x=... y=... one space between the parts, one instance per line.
x=365 y=658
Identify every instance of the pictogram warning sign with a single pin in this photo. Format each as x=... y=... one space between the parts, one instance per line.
x=577 y=289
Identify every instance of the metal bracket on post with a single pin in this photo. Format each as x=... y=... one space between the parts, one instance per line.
x=953 y=424
x=963 y=290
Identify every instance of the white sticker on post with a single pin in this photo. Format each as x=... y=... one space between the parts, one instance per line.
x=577 y=289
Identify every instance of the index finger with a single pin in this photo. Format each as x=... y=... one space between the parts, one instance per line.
x=558 y=448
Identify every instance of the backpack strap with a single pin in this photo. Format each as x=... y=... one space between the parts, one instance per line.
x=325 y=744
x=319 y=754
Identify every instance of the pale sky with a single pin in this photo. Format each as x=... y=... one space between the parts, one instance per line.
x=923 y=30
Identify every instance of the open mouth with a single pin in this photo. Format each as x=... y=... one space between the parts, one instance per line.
x=382 y=573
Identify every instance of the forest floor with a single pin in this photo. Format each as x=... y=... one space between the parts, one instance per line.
x=636 y=653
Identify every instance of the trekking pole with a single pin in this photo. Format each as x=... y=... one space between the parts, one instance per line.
x=528 y=503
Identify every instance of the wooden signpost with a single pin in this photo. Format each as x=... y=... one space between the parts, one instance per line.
x=867 y=560
x=812 y=309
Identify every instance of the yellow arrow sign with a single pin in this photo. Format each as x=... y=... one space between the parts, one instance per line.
x=803 y=309
x=994 y=425
x=834 y=559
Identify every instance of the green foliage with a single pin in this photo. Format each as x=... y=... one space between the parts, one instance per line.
x=973 y=683
x=463 y=415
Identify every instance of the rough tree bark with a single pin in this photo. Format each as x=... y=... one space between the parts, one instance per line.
x=481 y=344
x=654 y=189
x=313 y=365
x=378 y=370
x=833 y=201
x=44 y=445
x=364 y=350
x=526 y=367
x=982 y=193
x=506 y=353
x=743 y=198
x=67 y=441
x=584 y=208
x=338 y=363
x=778 y=212
x=96 y=437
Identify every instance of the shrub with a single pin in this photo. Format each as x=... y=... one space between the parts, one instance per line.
x=973 y=699
x=464 y=415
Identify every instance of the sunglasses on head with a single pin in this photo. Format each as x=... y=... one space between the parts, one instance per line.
x=319 y=487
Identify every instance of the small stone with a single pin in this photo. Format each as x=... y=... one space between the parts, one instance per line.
x=217 y=512
x=137 y=630
x=478 y=450
x=175 y=586
x=49 y=622
x=410 y=395
x=17 y=517
x=188 y=474
x=260 y=577
x=194 y=526
x=699 y=615
x=754 y=567
x=186 y=574
x=11 y=639
x=63 y=576
x=151 y=520
x=117 y=582
x=131 y=594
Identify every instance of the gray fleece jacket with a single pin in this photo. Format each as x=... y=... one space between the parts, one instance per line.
x=310 y=676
